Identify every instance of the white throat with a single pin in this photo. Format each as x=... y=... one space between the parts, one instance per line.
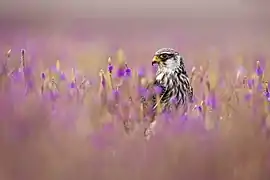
x=169 y=67
x=163 y=71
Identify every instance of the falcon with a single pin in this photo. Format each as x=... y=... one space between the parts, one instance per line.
x=171 y=88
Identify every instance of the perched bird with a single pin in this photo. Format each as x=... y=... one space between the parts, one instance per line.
x=171 y=87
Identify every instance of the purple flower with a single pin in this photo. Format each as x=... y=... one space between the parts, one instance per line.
x=116 y=93
x=128 y=72
x=199 y=108
x=120 y=72
x=22 y=52
x=72 y=85
x=211 y=101
x=261 y=60
x=43 y=76
x=267 y=94
x=110 y=68
x=260 y=87
x=141 y=72
x=248 y=96
x=62 y=76
x=259 y=71
x=250 y=83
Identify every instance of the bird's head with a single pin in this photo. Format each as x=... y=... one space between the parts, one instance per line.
x=168 y=60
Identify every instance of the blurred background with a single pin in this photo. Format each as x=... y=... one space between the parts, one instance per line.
x=139 y=27
x=82 y=34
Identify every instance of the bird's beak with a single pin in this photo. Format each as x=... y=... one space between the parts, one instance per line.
x=155 y=60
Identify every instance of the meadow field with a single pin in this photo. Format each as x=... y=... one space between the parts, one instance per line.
x=225 y=135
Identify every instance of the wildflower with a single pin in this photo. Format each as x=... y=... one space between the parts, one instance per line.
x=260 y=87
x=62 y=76
x=116 y=94
x=259 y=70
x=248 y=96
x=43 y=76
x=22 y=52
x=250 y=83
x=120 y=72
x=267 y=94
x=141 y=72
x=73 y=85
x=211 y=101
x=266 y=91
x=198 y=108
x=110 y=66
x=128 y=71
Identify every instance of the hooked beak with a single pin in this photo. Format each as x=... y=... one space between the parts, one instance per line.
x=155 y=60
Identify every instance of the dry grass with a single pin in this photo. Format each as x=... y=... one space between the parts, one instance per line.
x=87 y=140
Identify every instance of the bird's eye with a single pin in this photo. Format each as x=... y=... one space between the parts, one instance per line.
x=163 y=56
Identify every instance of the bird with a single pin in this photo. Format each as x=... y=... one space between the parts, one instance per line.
x=170 y=88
